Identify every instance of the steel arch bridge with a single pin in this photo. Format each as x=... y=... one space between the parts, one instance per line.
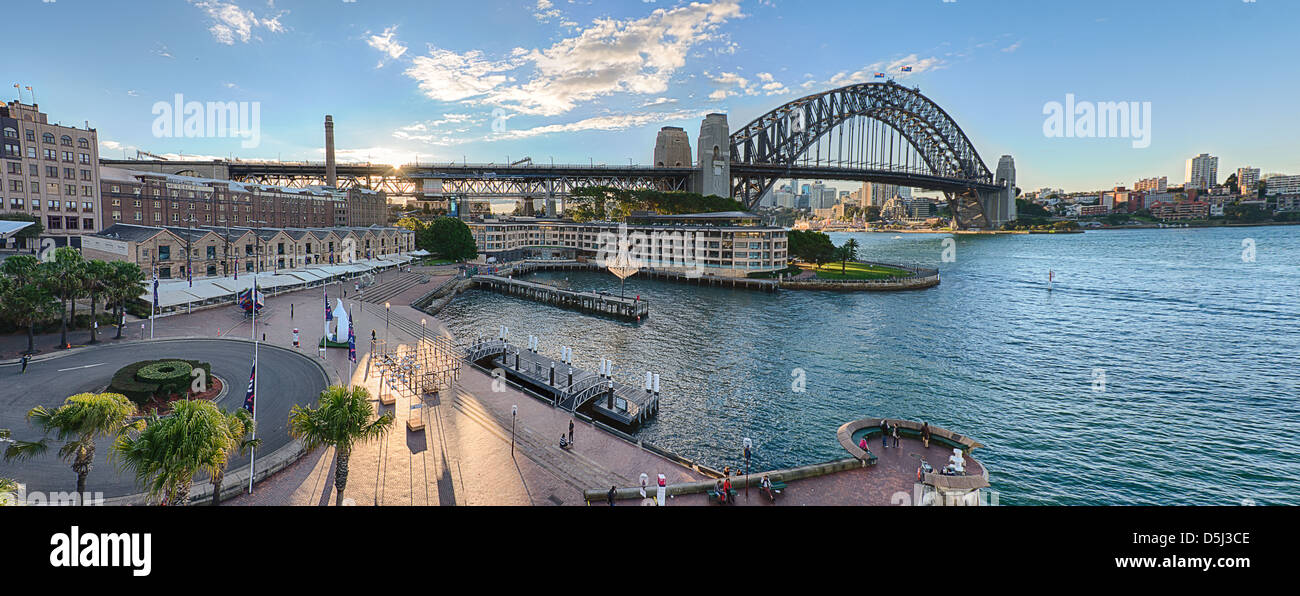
x=869 y=132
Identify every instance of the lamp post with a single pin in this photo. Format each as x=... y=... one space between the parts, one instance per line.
x=386 y=307
x=514 y=412
x=422 y=332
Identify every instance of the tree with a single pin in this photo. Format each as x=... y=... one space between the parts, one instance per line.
x=27 y=305
x=846 y=253
x=81 y=419
x=871 y=213
x=95 y=282
x=451 y=239
x=123 y=286
x=62 y=277
x=170 y=450
x=342 y=421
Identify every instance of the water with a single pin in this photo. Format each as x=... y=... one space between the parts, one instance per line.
x=1161 y=368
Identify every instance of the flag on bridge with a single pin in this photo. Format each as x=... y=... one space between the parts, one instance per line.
x=907 y=69
x=880 y=75
x=250 y=398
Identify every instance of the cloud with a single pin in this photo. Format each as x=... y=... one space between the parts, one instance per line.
x=1011 y=48
x=230 y=23
x=546 y=11
x=385 y=43
x=613 y=122
x=892 y=69
x=634 y=56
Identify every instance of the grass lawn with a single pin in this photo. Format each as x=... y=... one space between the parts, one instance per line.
x=430 y=261
x=856 y=271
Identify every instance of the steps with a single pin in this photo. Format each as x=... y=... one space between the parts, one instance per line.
x=382 y=293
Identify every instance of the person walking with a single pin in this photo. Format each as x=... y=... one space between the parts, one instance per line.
x=612 y=491
x=570 y=431
x=925 y=434
x=884 y=433
x=895 y=433
x=26 y=358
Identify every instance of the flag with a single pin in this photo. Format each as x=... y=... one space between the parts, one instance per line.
x=249 y=397
x=880 y=75
x=155 y=288
x=328 y=315
x=907 y=69
x=352 y=343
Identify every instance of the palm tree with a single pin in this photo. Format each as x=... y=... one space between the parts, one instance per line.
x=27 y=305
x=846 y=252
x=62 y=277
x=195 y=437
x=238 y=426
x=342 y=421
x=123 y=287
x=78 y=422
x=95 y=282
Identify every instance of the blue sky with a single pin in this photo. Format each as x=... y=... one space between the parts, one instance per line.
x=573 y=80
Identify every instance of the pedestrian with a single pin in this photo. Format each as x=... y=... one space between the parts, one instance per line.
x=372 y=336
x=141 y=330
x=570 y=431
x=884 y=433
x=925 y=434
x=895 y=433
x=612 y=491
x=26 y=358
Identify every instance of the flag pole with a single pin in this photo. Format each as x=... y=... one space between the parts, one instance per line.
x=252 y=462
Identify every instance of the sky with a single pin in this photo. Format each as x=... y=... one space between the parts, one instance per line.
x=584 y=80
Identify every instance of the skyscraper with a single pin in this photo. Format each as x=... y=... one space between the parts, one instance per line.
x=1202 y=171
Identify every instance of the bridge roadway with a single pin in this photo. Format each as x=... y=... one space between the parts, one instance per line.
x=287 y=379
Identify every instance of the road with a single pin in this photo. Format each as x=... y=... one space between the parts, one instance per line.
x=286 y=379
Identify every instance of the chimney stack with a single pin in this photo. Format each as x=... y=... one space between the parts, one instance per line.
x=331 y=175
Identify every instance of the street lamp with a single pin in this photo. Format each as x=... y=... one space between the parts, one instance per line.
x=386 y=307
x=422 y=332
x=514 y=411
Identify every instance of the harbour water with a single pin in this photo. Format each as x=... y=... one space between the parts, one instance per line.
x=1161 y=367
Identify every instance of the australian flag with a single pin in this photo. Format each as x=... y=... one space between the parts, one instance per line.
x=249 y=397
x=155 y=289
x=352 y=342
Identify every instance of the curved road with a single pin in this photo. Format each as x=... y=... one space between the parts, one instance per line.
x=285 y=379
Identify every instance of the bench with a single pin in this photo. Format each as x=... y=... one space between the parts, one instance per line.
x=731 y=496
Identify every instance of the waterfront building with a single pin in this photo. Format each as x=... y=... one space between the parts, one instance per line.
x=220 y=251
x=1277 y=185
x=1202 y=172
x=729 y=244
x=49 y=171
x=1181 y=210
x=1093 y=210
x=1290 y=202
x=158 y=199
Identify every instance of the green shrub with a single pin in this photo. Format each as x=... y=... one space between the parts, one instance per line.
x=142 y=381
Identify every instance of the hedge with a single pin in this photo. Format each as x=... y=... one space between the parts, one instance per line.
x=142 y=381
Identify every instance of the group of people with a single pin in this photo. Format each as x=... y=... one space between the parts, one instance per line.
x=887 y=432
x=566 y=444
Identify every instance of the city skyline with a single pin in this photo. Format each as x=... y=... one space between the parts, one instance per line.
x=577 y=82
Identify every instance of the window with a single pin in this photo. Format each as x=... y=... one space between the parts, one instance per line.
x=72 y=223
x=51 y=155
x=87 y=191
x=83 y=143
x=11 y=133
x=212 y=252
x=85 y=176
x=164 y=252
x=51 y=171
x=66 y=141
x=31 y=152
x=88 y=223
x=31 y=135
x=67 y=156
x=48 y=138
x=69 y=173
x=84 y=158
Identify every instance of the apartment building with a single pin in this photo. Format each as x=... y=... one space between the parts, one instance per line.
x=49 y=171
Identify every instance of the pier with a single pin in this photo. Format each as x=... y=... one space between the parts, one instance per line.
x=630 y=309
x=568 y=387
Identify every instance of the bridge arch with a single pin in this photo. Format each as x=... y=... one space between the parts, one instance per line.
x=879 y=132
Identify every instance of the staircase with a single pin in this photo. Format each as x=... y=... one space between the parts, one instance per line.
x=383 y=293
